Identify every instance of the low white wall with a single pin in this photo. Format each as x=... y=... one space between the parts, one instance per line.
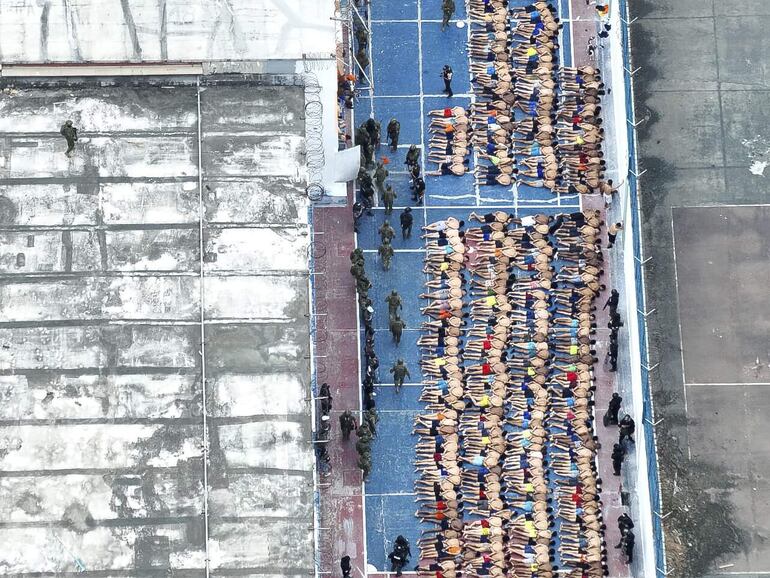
x=636 y=475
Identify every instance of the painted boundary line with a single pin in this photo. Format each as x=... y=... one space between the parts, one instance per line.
x=312 y=310
x=201 y=253
x=681 y=337
x=358 y=384
x=732 y=384
x=503 y=204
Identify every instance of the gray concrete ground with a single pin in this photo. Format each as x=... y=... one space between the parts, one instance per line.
x=107 y=293
x=702 y=93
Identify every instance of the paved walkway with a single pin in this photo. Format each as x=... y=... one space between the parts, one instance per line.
x=605 y=386
x=584 y=30
x=342 y=517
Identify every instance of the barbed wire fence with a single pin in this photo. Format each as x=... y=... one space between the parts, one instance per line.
x=315 y=159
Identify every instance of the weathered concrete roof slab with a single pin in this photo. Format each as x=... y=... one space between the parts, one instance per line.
x=77 y=31
x=170 y=252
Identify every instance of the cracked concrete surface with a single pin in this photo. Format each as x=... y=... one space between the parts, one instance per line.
x=701 y=93
x=104 y=290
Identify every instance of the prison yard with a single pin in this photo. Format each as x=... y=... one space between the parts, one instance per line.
x=357 y=288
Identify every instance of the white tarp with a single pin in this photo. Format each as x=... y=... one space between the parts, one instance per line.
x=348 y=162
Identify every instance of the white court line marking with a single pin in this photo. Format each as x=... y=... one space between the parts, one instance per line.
x=474 y=150
x=393 y=494
x=679 y=321
x=386 y=330
x=760 y=383
x=449 y=197
x=394 y=385
x=681 y=339
x=455 y=95
x=360 y=415
x=415 y=21
x=721 y=207
x=561 y=44
x=488 y=201
x=516 y=197
x=421 y=97
x=758 y=573
x=571 y=35
x=479 y=209
x=358 y=309
x=371 y=65
x=397 y=250
x=202 y=297
x=551 y=203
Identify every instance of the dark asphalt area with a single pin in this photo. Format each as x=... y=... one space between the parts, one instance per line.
x=703 y=96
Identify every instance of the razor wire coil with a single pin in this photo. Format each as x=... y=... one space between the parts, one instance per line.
x=315 y=159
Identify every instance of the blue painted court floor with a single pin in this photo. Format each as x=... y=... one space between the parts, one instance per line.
x=408 y=53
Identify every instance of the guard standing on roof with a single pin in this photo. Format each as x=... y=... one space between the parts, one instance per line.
x=70 y=133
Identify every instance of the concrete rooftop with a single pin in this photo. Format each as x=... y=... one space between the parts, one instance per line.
x=76 y=31
x=125 y=285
